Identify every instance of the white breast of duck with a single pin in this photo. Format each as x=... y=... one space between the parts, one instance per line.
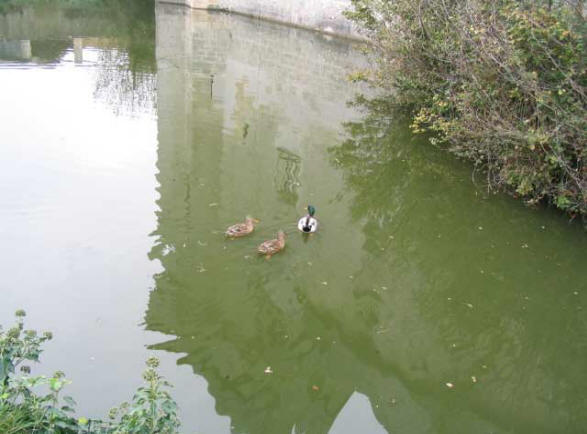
x=308 y=224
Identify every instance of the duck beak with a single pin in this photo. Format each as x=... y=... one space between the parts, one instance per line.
x=256 y=221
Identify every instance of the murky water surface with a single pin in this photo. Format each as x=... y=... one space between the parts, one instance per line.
x=128 y=142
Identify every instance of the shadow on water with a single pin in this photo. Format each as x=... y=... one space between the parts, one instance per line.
x=418 y=278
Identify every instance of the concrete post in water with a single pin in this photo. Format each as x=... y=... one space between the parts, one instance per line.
x=78 y=50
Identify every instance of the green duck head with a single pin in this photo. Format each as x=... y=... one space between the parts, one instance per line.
x=311 y=210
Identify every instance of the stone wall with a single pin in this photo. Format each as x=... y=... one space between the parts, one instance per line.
x=324 y=15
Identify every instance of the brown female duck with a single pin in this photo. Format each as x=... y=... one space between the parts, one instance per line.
x=271 y=247
x=241 y=229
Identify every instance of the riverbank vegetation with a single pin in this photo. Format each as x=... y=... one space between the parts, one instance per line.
x=499 y=83
x=35 y=403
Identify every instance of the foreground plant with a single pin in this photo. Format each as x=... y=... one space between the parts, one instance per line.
x=24 y=409
x=152 y=409
x=501 y=83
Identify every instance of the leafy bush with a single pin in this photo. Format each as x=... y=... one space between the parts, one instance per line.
x=501 y=83
x=152 y=409
x=22 y=409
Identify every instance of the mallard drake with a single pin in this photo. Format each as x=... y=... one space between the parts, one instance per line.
x=271 y=247
x=308 y=223
x=241 y=229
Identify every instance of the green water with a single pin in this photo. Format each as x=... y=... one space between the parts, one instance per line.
x=129 y=142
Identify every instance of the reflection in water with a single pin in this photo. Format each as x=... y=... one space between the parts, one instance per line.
x=475 y=277
x=287 y=175
x=118 y=37
x=77 y=187
x=26 y=50
x=124 y=89
x=15 y=50
x=232 y=314
x=417 y=278
x=357 y=417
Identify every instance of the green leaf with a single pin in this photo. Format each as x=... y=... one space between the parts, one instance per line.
x=67 y=409
x=70 y=401
x=55 y=384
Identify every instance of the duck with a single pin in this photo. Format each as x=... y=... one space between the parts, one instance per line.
x=308 y=224
x=271 y=247
x=241 y=229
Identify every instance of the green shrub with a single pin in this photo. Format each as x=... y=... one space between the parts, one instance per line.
x=24 y=409
x=152 y=409
x=500 y=83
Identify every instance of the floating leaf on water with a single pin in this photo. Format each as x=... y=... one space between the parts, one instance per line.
x=268 y=370
x=480 y=228
x=325 y=283
x=474 y=379
x=309 y=263
x=524 y=246
x=315 y=388
x=450 y=385
x=469 y=305
x=317 y=338
x=213 y=204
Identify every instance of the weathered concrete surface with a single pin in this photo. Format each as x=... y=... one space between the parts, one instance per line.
x=324 y=15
